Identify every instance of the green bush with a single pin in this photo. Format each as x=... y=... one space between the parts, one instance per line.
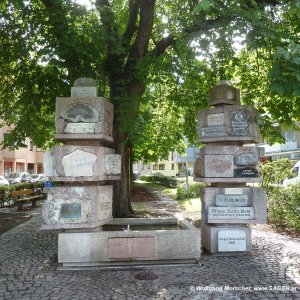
x=5 y=191
x=274 y=172
x=159 y=178
x=194 y=190
x=283 y=204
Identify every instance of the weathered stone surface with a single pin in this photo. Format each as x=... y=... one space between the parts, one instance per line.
x=240 y=124
x=84 y=82
x=94 y=248
x=251 y=198
x=113 y=164
x=226 y=238
x=80 y=163
x=83 y=118
x=223 y=93
x=231 y=240
x=77 y=207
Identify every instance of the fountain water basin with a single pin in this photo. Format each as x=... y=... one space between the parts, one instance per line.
x=131 y=242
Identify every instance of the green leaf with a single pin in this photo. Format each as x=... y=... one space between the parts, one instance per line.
x=202 y=6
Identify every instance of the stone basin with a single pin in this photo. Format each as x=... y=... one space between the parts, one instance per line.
x=148 y=241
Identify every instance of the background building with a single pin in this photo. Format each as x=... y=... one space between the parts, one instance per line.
x=29 y=159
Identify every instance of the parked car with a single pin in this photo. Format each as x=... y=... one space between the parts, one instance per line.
x=3 y=181
x=296 y=175
x=39 y=178
x=17 y=177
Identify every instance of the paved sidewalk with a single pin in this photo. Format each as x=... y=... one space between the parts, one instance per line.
x=28 y=270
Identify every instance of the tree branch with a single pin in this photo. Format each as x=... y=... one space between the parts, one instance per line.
x=131 y=25
x=140 y=46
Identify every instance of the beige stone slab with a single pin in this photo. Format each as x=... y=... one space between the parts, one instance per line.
x=223 y=93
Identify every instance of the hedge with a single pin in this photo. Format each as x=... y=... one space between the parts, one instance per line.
x=5 y=191
x=194 y=190
x=283 y=207
x=160 y=179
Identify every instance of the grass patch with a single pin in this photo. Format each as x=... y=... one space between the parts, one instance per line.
x=191 y=205
x=168 y=191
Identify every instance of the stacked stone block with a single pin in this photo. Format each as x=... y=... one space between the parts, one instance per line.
x=229 y=205
x=82 y=169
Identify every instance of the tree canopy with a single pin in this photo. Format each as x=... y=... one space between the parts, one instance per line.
x=155 y=60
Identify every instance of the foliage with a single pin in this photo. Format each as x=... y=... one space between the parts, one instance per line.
x=193 y=191
x=160 y=179
x=276 y=171
x=283 y=207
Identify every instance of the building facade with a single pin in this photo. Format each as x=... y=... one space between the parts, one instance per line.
x=176 y=164
x=29 y=159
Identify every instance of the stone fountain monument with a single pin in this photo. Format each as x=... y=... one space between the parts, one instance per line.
x=229 y=205
x=80 y=201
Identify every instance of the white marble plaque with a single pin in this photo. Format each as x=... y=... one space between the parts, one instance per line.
x=79 y=163
x=80 y=128
x=229 y=213
x=113 y=164
x=84 y=91
x=105 y=207
x=231 y=200
x=231 y=240
x=234 y=191
x=215 y=119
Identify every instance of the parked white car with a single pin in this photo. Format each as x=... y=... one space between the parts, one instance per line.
x=296 y=178
x=38 y=178
x=3 y=181
x=17 y=177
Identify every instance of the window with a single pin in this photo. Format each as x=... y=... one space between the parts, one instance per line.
x=173 y=167
x=155 y=167
x=161 y=167
x=30 y=146
x=149 y=167
x=289 y=136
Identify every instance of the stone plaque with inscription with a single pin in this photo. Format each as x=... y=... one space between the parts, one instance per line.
x=231 y=240
x=223 y=213
x=246 y=172
x=113 y=164
x=70 y=210
x=198 y=168
x=80 y=128
x=231 y=200
x=215 y=119
x=86 y=91
x=239 y=123
x=79 y=163
x=213 y=131
x=246 y=159
x=218 y=166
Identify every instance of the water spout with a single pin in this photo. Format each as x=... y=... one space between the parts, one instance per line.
x=128 y=228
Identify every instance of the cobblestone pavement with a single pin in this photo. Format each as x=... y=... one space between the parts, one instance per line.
x=28 y=270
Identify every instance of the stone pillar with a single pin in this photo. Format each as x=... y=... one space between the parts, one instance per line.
x=82 y=169
x=229 y=205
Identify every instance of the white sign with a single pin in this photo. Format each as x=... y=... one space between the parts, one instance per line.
x=231 y=240
x=234 y=191
x=79 y=163
x=113 y=164
x=231 y=200
x=228 y=213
